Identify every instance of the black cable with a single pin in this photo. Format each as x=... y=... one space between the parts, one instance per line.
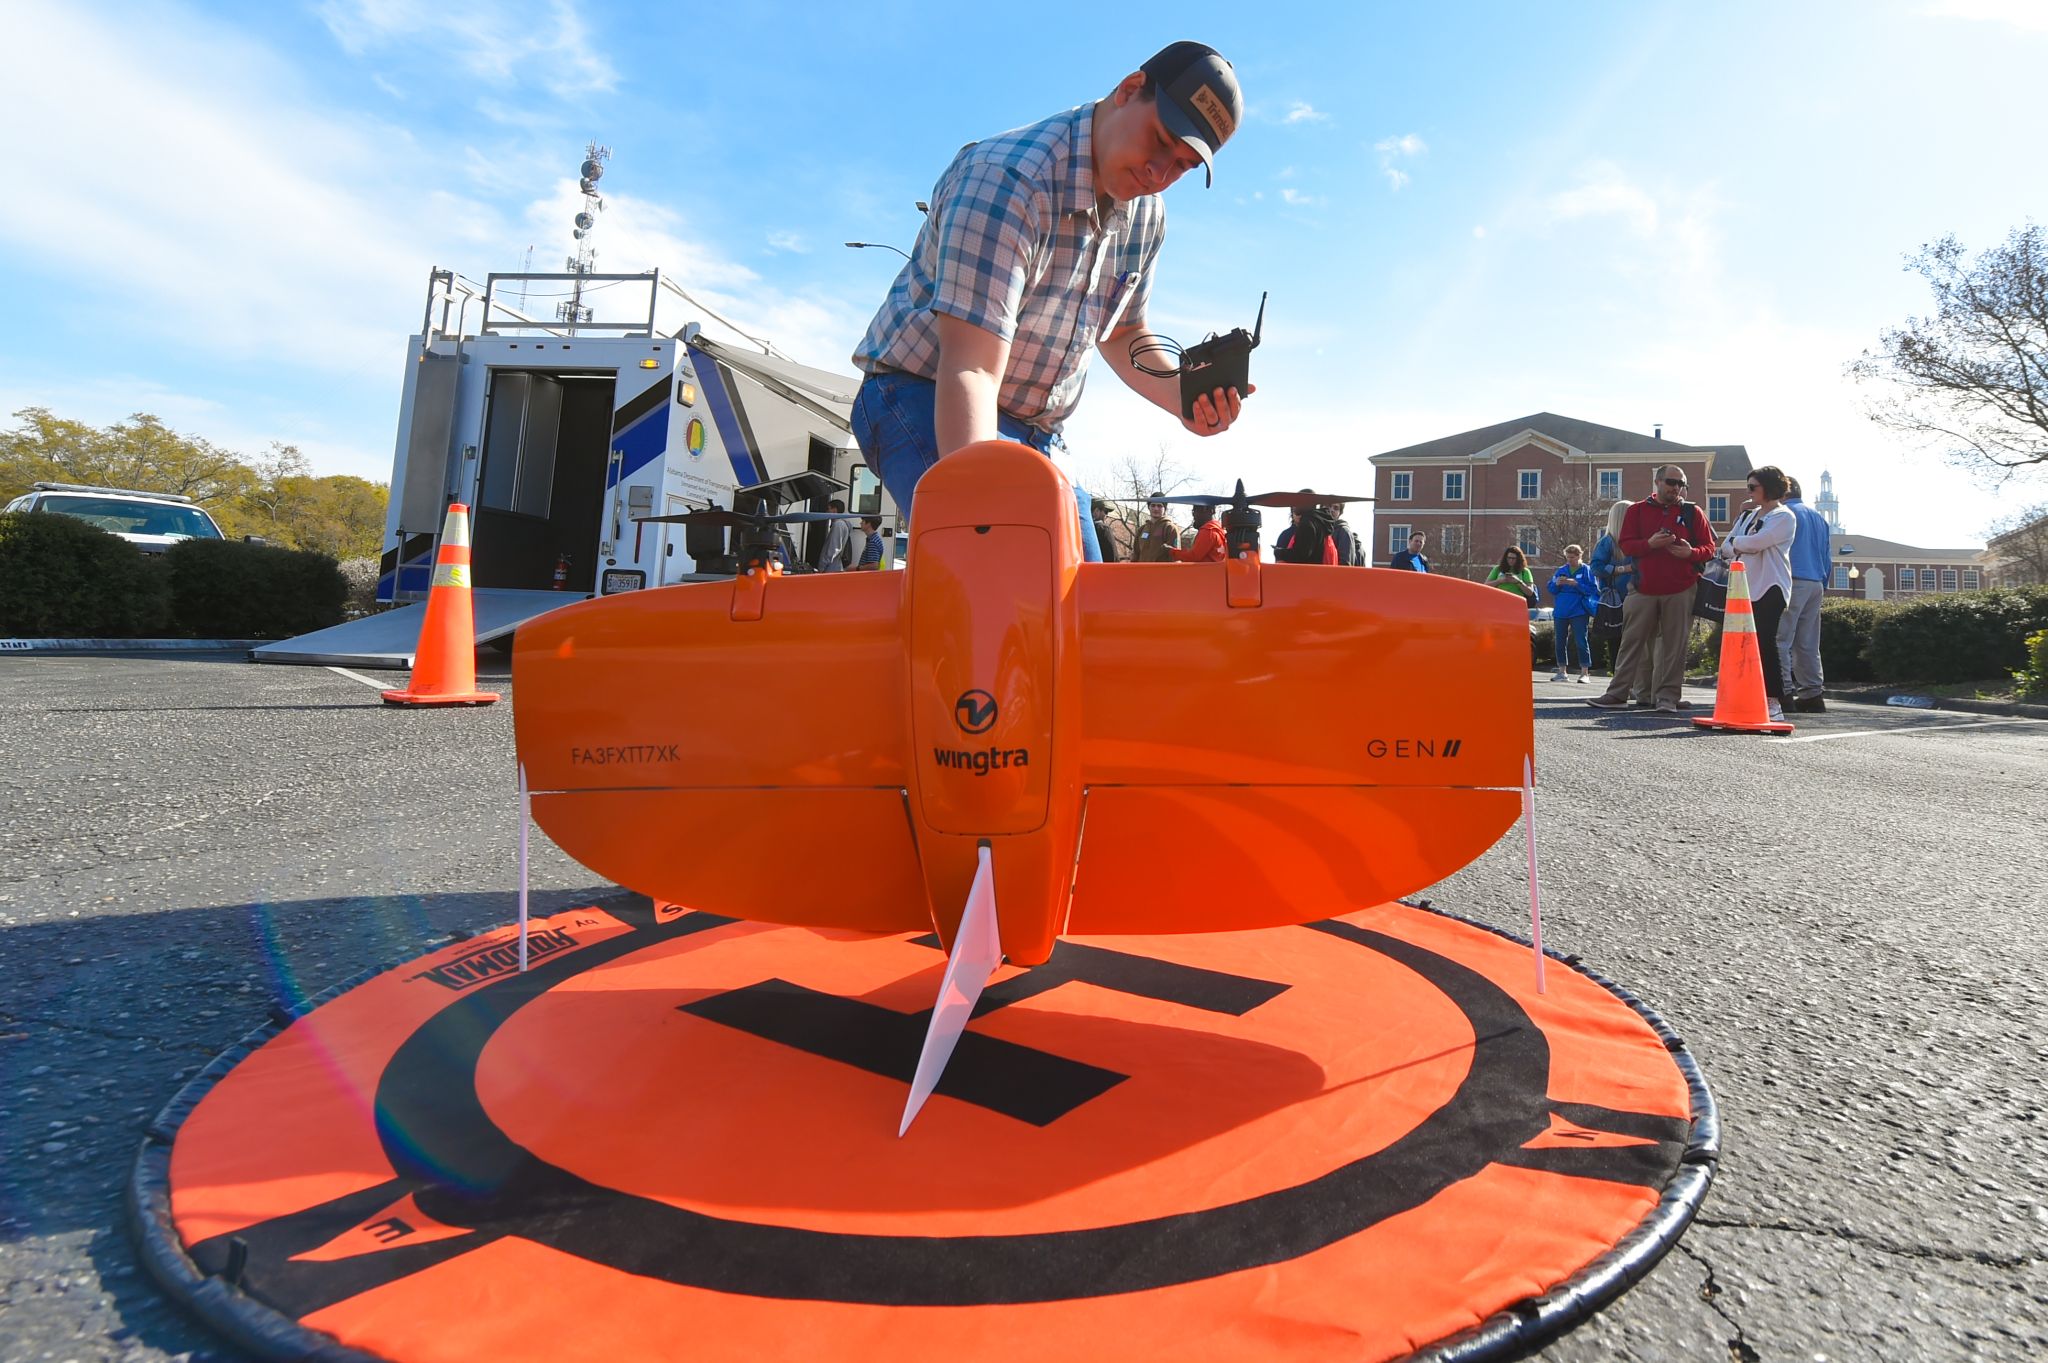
x=1150 y=342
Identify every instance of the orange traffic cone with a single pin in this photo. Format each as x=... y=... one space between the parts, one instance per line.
x=444 y=667
x=1739 y=701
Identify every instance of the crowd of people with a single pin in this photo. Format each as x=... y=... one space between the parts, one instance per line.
x=1632 y=599
x=1648 y=571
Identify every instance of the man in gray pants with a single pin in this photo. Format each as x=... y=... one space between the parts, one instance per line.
x=1799 y=630
x=1669 y=538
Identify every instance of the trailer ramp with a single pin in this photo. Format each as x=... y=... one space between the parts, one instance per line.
x=390 y=638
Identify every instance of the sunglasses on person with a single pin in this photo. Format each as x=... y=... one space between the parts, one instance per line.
x=1675 y=482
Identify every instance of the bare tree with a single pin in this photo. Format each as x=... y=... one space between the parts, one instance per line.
x=1453 y=554
x=2019 y=546
x=1972 y=378
x=1570 y=511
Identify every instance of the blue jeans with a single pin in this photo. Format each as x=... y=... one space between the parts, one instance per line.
x=1568 y=631
x=895 y=424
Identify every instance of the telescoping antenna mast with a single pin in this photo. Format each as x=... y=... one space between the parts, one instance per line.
x=595 y=159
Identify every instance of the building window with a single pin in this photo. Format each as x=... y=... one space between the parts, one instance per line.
x=1451 y=541
x=1525 y=537
x=1397 y=537
x=1842 y=577
x=1404 y=487
x=1948 y=579
x=1908 y=580
x=1717 y=507
x=1970 y=579
x=1454 y=486
x=1531 y=485
x=1610 y=485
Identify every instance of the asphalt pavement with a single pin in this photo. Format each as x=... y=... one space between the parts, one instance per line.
x=1845 y=925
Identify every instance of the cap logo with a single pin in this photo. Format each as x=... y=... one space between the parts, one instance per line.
x=1211 y=106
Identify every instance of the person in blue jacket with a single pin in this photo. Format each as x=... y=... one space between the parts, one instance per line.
x=1615 y=572
x=1576 y=596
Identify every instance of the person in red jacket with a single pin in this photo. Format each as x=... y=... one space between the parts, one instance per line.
x=1207 y=545
x=1669 y=538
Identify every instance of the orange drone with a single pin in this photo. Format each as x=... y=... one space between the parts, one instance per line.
x=1005 y=744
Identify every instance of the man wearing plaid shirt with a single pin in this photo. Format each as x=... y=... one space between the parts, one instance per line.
x=1039 y=245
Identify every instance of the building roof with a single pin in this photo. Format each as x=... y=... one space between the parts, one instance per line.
x=1871 y=549
x=1726 y=462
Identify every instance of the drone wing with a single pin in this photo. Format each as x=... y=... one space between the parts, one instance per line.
x=1355 y=737
x=744 y=763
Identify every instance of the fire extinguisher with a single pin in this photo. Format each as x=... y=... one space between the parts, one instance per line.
x=561 y=572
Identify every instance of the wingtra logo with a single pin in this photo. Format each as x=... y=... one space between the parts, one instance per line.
x=975 y=712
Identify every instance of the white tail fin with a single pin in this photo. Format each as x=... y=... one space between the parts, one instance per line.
x=977 y=951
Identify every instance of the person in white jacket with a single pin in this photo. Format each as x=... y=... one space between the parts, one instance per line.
x=1761 y=541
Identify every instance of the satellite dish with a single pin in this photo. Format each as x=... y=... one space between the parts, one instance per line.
x=592 y=171
x=578 y=234
x=586 y=186
x=585 y=221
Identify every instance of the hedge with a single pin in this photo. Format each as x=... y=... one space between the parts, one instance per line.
x=62 y=578
x=1845 y=628
x=1957 y=636
x=2033 y=678
x=228 y=589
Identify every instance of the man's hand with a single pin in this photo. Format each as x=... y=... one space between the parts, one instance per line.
x=1678 y=548
x=1214 y=412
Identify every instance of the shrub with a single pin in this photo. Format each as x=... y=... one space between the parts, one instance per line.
x=226 y=589
x=1845 y=628
x=1960 y=636
x=2033 y=678
x=62 y=578
x=361 y=576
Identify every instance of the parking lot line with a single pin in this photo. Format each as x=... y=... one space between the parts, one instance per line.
x=1889 y=733
x=357 y=676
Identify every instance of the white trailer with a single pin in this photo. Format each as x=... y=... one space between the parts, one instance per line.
x=562 y=438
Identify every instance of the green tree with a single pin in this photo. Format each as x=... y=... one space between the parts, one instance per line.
x=1972 y=378
x=277 y=495
x=140 y=453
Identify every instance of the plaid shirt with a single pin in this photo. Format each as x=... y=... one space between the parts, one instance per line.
x=1013 y=245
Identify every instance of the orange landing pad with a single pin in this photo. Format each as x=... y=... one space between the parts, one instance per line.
x=674 y=1138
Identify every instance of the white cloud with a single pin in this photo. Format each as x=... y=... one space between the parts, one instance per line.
x=788 y=241
x=1479 y=231
x=1604 y=191
x=1394 y=148
x=1300 y=111
x=493 y=40
x=1297 y=199
x=207 y=204
x=2027 y=15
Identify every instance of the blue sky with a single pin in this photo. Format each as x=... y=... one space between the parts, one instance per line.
x=1627 y=212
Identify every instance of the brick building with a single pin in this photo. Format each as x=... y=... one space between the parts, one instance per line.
x=1885 y=570
x=1479 y=491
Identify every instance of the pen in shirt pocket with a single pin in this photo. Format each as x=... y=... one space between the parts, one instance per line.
x=1119 y=299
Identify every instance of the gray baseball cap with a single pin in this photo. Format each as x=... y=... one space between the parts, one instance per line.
x=1199 y=101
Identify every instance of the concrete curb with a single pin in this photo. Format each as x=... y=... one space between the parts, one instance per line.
x=28 y=647
x=1884 y=695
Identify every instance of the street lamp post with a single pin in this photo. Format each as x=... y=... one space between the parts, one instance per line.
x=881 y=245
